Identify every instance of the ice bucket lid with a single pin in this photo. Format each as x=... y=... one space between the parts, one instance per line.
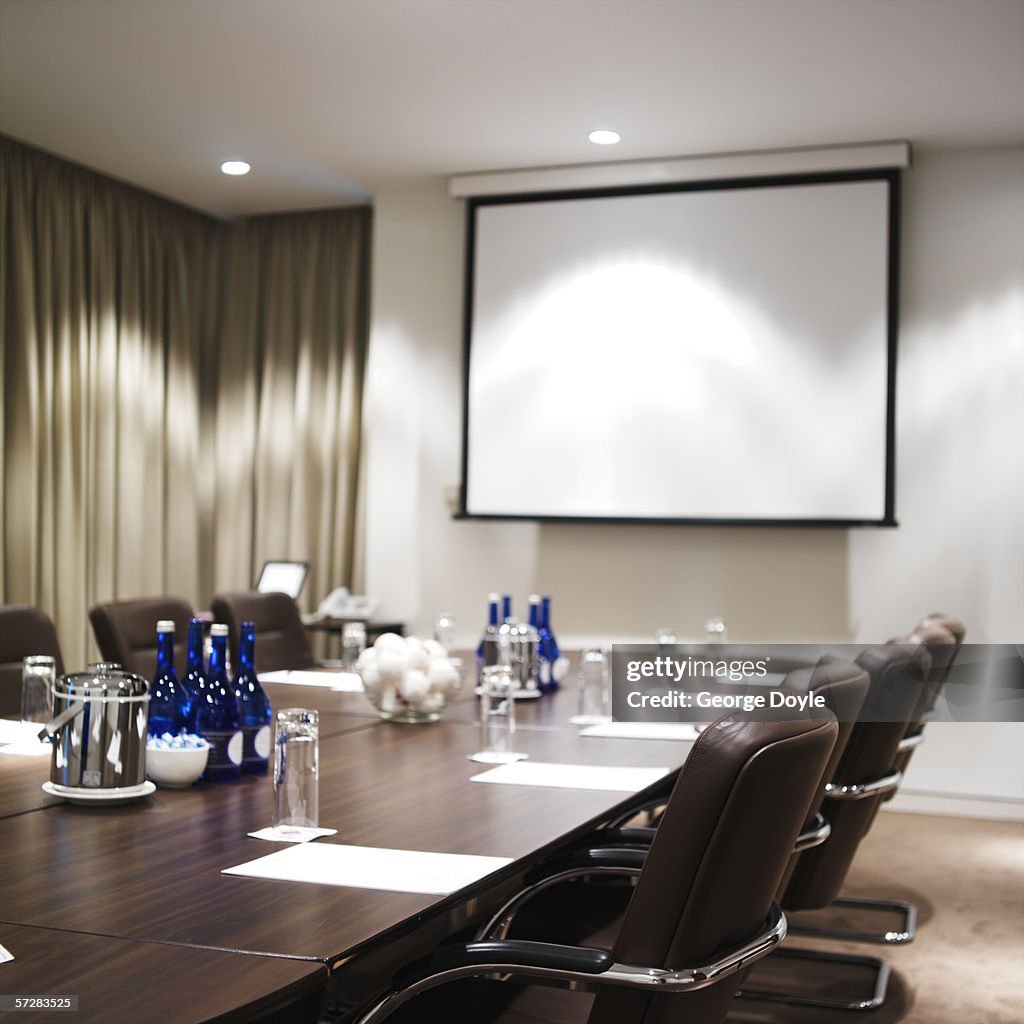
x=102 y=682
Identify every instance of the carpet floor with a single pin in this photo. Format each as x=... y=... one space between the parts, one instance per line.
x=966 y=965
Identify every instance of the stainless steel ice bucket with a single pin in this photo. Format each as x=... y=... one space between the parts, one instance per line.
x=98 y=729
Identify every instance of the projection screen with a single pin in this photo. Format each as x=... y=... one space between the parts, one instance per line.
x=720 y=352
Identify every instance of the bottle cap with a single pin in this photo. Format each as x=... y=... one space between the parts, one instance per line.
x=218 y=629
x=535 y=599
x=493 y=597
x=165 y=626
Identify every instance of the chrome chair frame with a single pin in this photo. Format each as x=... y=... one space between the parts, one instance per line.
x=584 y=967
x=881 y=969
x=906 y=912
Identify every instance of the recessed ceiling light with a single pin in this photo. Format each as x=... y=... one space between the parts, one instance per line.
x=235 y=167
x=604 y=137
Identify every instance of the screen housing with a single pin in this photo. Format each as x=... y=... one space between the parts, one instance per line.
x=890 y=177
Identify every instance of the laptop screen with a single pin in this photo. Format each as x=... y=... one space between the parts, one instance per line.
x=283 y=577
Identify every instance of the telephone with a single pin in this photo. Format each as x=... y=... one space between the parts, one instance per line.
x=340 y=604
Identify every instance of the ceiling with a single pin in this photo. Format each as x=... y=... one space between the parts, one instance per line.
x=331 y=100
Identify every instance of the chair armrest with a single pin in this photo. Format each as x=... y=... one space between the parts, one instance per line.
x=579 y=864
x=814 y=835
x=549 y=963
x=862 y=790
x=523 y=952
x=638 y=836
x=647 y=805
x=909 y=742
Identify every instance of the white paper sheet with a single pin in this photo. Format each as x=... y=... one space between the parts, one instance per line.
x=645 y=730
x=573 y=776
x=5 y=955
x=344 y=682
x=368 y=867
x=22 y=739
x=34 y=749
x=16 y=731
x=292 y=834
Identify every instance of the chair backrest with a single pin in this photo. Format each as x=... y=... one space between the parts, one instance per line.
x=714 y=866
x=844 y=687
x=125 y=631
x=281 y=639
x=897 y=675
x=941 y=636
x=954 y=625
x=24 y=631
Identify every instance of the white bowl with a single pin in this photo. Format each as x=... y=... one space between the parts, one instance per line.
x=176 y=767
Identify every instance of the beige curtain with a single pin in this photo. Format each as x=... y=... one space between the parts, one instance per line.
x=291 y=364
x=180 y=397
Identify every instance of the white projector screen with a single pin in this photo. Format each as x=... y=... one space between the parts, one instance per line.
x=714 y=353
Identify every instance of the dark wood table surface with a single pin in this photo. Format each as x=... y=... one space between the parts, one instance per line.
x=121 y=981
x=150 y=871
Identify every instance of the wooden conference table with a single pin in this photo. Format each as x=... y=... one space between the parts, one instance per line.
x=126 y=907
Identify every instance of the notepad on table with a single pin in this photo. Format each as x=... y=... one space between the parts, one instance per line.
x=346 y=682
x=368 y=867
x=573 y=776
x=644 y=730
x=22 y=739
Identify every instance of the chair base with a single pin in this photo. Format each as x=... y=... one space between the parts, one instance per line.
x=894 y=937
x=881 y=982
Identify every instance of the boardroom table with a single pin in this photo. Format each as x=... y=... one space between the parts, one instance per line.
x=127 y=908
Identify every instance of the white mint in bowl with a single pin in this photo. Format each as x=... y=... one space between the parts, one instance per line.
x=175 y=762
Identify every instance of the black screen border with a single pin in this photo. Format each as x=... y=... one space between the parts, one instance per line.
x=891 y=176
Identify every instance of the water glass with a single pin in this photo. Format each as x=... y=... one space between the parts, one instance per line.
x=297 y=768
x=444 y=631
x=665 y=636
x=497 y=716
x=38 y=674
x=715 y=632
x=353 y=643
x=595 y=697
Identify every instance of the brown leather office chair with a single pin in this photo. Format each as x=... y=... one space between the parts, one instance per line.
x=844 y=687
x=125 y=631
x=702 y=908
x=864 y=775
x=281 y=638
x=24 y=631
x=941 y=635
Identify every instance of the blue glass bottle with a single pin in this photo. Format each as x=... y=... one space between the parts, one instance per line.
x=253 y=707
x=548 y=654
x=486 y=652
x=217 y=716
x=169 y=701
x=195 y=676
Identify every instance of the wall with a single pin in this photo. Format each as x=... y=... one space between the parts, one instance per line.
x=960 y=479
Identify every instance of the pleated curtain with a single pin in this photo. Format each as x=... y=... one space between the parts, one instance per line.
x=181 y=397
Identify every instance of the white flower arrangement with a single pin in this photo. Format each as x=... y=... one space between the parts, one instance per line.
x=406 y=677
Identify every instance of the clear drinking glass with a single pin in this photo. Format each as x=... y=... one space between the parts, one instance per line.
x=297 y=768
x=497 y=716
x=444 y=631
x=665 y=636
x=353 y=643
x=38 y=674
x=715 y=632
x=595 y=697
